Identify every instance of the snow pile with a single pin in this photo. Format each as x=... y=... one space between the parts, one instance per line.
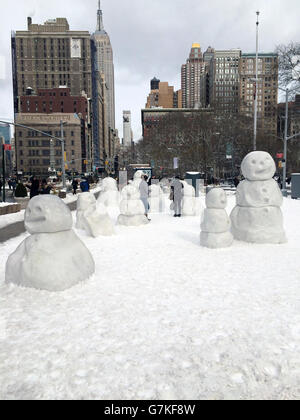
x=161 y=319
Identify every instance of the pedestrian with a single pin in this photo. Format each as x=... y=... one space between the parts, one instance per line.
x=144 y=191
x=74 y=186
x=9 y=184
x=236 y=181
x=176 y=187
x=34 y=187
x=14 y=184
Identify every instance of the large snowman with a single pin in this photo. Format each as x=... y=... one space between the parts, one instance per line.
x=257 y=217
x=215 y=227
x=132 y=208
x=52 y=258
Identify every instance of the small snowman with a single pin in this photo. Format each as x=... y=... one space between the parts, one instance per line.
x=109 y=196
x=257 y=217
x=52 y=258
x=93 y=218
x=86 y=202
x=190 y=206
x=132 y=208
x=215 y=228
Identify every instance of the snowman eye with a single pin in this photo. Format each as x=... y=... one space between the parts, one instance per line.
x=254 y=162
x=38 y=208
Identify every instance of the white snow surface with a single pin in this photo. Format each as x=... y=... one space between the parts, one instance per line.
x=162 y=318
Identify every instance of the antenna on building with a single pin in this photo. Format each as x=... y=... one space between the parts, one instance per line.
x=100 y=26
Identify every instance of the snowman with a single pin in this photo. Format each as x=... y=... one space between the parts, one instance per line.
x=156 y=198
x=132 y=208
x=137 y=179
x=86 y=202
x=93 y=218
x=109 y=195
x=215 y=227
x=257 y=217
x=52 y=258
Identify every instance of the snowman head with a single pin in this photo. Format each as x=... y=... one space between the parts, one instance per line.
x=216 y=199
x=85 y=201
x=138 y=175
x=109 y=184
x=47 y=214
x=258 y=166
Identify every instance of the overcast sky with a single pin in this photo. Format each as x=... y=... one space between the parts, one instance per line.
x=153 y=37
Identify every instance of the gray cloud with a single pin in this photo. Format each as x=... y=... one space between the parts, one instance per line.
x=154 y=38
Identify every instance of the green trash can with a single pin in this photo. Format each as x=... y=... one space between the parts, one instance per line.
x=194 y=176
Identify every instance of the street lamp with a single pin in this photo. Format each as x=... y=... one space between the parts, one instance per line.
x=256 y=82
x=285 y=139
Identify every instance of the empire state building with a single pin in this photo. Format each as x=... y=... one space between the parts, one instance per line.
x=105 y=65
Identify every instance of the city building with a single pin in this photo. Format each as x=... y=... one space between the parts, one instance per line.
x=163 y=96
x=191 y=74
x=266 y=88
x=224 y=74
x=33 y=149
x=52 y=74
x=50 y=55
x=105 y=65
x=127 y=131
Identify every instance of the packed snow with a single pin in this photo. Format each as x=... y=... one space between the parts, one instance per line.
x=162 y=318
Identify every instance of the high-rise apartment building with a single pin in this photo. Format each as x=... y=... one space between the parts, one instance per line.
x=266 y=88
x=50 y=55
x=191 y=74
x=105 y=65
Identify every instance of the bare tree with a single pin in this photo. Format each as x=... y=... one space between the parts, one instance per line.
x=289 y=65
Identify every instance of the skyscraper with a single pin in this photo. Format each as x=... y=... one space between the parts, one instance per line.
x=191 y=74
x=105 y=65
x=127 y=132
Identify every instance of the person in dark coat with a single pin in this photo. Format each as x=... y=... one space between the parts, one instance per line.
x=74 y=186
x=236 y=181
x=34 y=187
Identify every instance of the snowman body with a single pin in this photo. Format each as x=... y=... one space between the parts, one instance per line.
x=215 y=227
x=52 y=258
x=257 y=216
x=189 y=201
x=156 y=199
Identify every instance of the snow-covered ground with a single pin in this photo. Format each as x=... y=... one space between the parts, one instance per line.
x=162 y=318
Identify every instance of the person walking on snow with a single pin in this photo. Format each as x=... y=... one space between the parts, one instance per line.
x=177 y=187
x=144 y=191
